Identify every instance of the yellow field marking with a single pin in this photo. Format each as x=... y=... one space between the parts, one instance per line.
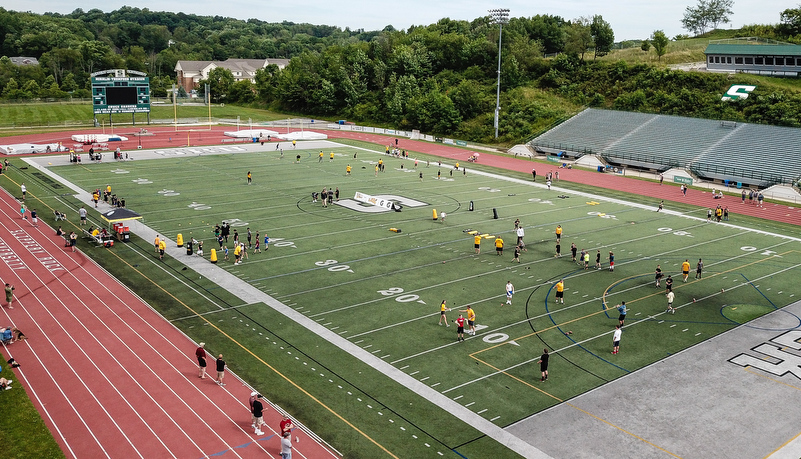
x=526 y=383
x=784 y=384
x=247 y=350
x=622 y=430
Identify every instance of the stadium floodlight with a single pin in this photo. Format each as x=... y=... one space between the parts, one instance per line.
x=499 y=16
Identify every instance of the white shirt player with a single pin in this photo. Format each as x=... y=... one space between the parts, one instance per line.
x=510 y=290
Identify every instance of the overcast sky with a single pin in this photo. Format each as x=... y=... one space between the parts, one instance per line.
x=629 y=19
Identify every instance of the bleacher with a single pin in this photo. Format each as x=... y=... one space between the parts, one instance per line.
x=711 y=149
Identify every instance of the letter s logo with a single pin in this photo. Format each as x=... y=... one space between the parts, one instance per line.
x=738 y=91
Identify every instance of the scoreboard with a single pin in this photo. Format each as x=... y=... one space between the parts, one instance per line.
x=120 y=91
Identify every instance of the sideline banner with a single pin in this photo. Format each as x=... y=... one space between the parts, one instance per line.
x=376 y=201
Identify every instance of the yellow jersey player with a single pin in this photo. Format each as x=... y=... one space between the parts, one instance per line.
x=499 y=246
x=560 y=291
x=442 y=310
x=685 y=269
x=477 y=243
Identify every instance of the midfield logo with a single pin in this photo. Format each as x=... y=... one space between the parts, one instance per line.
x=775 y=359
x=738 y=91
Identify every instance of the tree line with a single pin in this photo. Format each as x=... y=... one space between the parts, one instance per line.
x=438 y=78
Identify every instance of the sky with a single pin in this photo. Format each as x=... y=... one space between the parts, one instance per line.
x=630 y=20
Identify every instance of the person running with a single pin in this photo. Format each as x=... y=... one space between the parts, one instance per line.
x=517 y=254
x=698 y=268
x=320 y=157
x=669 y=284
x=544 y=365
x=560 y=291
x=621 y=309
x=616 y=339
x=558 y=233
x=442 y=310
x=685 y=269
x=661 y=205
x=510 y=291
x=459 y=328
x=573 y=250
x=471 y=319
x=658 y=275
x=347 y=170
x=477 y=243
x=670 y=296
x=611 y=261
x=499 y=246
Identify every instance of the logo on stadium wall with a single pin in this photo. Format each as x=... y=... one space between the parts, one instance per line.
x=738 y=91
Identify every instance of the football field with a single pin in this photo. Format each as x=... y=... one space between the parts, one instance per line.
x=375 y=277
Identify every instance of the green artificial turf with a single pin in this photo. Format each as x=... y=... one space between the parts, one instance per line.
x=381 y=290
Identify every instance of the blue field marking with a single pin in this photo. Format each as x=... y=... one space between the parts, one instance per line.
x=243 y=445
x=772 y=304
x=574 y=341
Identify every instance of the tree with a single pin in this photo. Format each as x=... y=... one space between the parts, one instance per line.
x=579 y=37
x=220 y=81
x=602 y=35
x=646 y=45
x=707 y=15
x=791 y=21
x=660 y=42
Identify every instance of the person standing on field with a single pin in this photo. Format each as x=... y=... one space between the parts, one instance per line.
x=510 y=291
x=616 y=339
x=459 y=328
x=442 y=310
x=698 y=268
x=544 y=365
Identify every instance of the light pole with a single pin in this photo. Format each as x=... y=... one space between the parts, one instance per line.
x=499 y=16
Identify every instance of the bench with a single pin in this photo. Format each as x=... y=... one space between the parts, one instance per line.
x=98 y=239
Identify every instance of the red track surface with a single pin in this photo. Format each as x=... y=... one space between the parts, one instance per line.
x=109 y=375
x=112 y=378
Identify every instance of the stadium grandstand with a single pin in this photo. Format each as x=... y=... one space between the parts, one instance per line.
x=723 y=151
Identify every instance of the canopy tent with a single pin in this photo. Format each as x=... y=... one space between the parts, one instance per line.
x=119 y=215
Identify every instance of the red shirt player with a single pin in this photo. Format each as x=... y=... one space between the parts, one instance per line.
x=286 y=424
x=201 y=360
x=459 y=328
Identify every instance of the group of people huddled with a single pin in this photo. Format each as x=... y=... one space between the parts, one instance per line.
x=327 y=196
x=108 y=197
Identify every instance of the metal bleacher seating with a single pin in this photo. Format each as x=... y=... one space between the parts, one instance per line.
x=738 y=152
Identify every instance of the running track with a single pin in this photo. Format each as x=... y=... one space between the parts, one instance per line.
x=109 y=375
